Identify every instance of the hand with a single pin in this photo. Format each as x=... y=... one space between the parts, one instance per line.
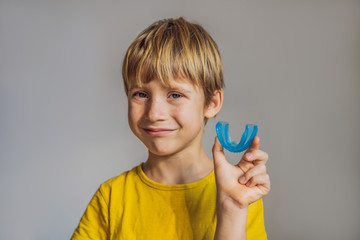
x=242 y=184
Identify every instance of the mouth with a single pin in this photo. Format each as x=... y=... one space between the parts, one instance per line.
x=158 y=131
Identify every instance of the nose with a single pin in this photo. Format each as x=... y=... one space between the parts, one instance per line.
x=156 y=110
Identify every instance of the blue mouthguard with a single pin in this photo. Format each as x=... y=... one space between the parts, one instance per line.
x=222 y=132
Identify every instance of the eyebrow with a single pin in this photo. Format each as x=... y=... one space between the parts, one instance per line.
x=172 y=87
x=180 y=89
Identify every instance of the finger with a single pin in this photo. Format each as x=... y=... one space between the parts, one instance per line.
x=259 y=180
x=258 y=156
x=257 y=170
x=251 y=159
x=245 y=163
x=218 y=153
x=255 y=144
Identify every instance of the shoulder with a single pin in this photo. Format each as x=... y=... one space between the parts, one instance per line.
x=118 y=183
x=120 y=178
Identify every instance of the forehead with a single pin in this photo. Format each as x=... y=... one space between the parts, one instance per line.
x=173 y=83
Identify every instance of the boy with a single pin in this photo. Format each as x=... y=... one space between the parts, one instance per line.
x=173 y=79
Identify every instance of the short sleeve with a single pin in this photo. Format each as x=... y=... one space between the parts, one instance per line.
x=255 y=224
x=94 y=223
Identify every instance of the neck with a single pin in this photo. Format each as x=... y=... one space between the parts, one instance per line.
x=179 y=168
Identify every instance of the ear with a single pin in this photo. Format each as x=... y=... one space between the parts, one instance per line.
x=215 y=104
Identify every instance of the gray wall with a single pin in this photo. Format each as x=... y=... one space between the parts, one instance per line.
x=292 y=67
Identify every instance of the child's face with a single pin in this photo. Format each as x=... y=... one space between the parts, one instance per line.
x=167 y=120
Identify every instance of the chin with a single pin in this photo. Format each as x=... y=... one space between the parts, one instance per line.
x=162 y=151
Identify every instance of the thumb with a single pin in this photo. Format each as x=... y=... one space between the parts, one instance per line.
x=218 y=153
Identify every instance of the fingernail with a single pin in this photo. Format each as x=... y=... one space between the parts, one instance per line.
x=248 y=184
x=249 y=156
x=242 y=179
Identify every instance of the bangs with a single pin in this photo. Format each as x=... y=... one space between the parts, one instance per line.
x=164 y=68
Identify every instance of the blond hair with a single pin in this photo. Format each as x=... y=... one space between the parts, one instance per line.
x=172 y=49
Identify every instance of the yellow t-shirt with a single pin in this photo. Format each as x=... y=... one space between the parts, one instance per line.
x=132 y=206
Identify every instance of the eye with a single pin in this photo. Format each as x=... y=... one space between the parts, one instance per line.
x=175 y=95
x=140 y=94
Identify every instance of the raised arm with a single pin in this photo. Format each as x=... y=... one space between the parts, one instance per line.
x=237 y=187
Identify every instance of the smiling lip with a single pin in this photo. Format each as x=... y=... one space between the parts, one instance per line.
x=158 y=131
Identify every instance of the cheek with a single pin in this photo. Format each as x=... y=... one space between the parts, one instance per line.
x=134 y=115
x=190 y=115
